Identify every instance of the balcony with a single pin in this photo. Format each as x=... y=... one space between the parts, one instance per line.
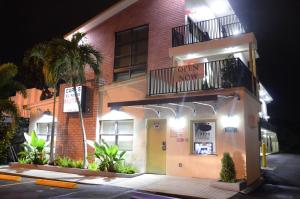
x=220 y=74
x=217 y=28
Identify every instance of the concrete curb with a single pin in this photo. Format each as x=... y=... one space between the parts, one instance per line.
x=253 y=186
x=39 y=177
x=84 y=172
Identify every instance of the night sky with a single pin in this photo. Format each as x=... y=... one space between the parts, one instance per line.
x=274 y=22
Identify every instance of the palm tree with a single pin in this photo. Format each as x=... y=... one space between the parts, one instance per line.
x=7 y=107
x=75 y=56
x=46 y=55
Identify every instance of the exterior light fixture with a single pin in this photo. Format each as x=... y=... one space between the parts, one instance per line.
x=177 y=124
x=220 y=7
x=116 y=114
x=230 y=123
x=236 y=32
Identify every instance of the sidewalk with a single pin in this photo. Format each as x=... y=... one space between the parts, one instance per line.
x=182 y=186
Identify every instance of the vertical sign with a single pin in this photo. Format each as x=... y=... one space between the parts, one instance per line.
x=70 y=104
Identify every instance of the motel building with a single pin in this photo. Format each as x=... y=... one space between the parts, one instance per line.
x=179 y=88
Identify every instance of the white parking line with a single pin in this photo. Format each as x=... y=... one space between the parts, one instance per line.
x=12 y=184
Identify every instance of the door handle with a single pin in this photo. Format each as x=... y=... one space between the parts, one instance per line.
x=163 y=145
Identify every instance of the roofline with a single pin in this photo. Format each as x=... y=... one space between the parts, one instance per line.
x=101 y=17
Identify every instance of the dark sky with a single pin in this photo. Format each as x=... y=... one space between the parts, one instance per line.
x=274 y=22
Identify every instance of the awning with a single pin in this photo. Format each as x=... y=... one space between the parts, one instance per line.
x=157 y=101
x=46 y=119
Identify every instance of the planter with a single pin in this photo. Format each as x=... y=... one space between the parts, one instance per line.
x=85 y=172
x=235 y=186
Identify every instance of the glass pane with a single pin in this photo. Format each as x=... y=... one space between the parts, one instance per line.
x=108 y=127
x=204 y=138
x=121 y=76
x=139 y=59
x=110 y=139
x=123 y=50
x=123 y=37
x=140 y=47
x=125 y=126
x=42 y=129
x=140 y=33
x=138 y=71
x=125 y=143
x=122 y=61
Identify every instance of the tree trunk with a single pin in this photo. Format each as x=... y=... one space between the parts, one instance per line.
x=85 y=161
x=51 y=159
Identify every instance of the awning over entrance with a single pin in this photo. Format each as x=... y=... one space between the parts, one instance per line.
x=156 y=101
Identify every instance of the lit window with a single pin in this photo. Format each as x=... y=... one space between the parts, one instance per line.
x=119 y=132
x=204 y=138
x=44 y=131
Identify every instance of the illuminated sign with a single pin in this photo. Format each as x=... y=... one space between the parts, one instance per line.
x=70 y=104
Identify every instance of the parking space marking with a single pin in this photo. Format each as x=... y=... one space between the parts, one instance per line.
x=55 y=183
x=10 y=177
x=12 y=184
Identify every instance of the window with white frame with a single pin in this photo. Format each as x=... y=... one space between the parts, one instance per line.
x=44 y=131
x=118 y=132
x=204 y=138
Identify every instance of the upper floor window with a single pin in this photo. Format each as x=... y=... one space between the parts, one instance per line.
x=131 y=53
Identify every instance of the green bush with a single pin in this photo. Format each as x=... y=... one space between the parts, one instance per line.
x=68 y=162
x=34 y=152
x=108 y=155
x=93 y=166
x=78 y=164
x=128 y=169
x=24 y=161
x=228 y=170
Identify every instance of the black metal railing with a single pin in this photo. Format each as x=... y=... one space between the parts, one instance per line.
x=227 y=73
x=216 y=28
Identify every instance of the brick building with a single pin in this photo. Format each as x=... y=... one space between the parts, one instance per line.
x=180 y=88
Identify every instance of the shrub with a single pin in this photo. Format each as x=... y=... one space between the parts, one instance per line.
x=78 y=164
x=34 y=152
x=24 y=161
x=128 y=169
x=68 y=162
x=228 y=171
x=108 y=155
x=93 y=166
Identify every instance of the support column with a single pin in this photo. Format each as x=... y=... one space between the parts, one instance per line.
x=252 y=67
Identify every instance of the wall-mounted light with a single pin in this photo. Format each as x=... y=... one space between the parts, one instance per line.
x=230 y=123
x=116 y=114
x=236 y=32
x=177 y=124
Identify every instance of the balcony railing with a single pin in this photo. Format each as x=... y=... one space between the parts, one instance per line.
x=217 y=28
x=219 y=74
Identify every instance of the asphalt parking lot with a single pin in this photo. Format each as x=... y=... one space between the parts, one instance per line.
x=28 y=189
x=281 y=182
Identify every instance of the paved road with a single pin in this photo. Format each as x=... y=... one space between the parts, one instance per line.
x=282 y=182
x=27 y=189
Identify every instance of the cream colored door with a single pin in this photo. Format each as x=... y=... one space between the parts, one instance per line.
x=156 y=146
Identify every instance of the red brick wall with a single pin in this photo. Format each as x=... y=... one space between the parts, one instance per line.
x=69 y=136
x=161 y=15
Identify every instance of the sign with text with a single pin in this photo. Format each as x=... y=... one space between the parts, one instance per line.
x=70 y=104
x=189 y=72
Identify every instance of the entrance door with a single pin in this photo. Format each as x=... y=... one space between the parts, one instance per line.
x=156 y=146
